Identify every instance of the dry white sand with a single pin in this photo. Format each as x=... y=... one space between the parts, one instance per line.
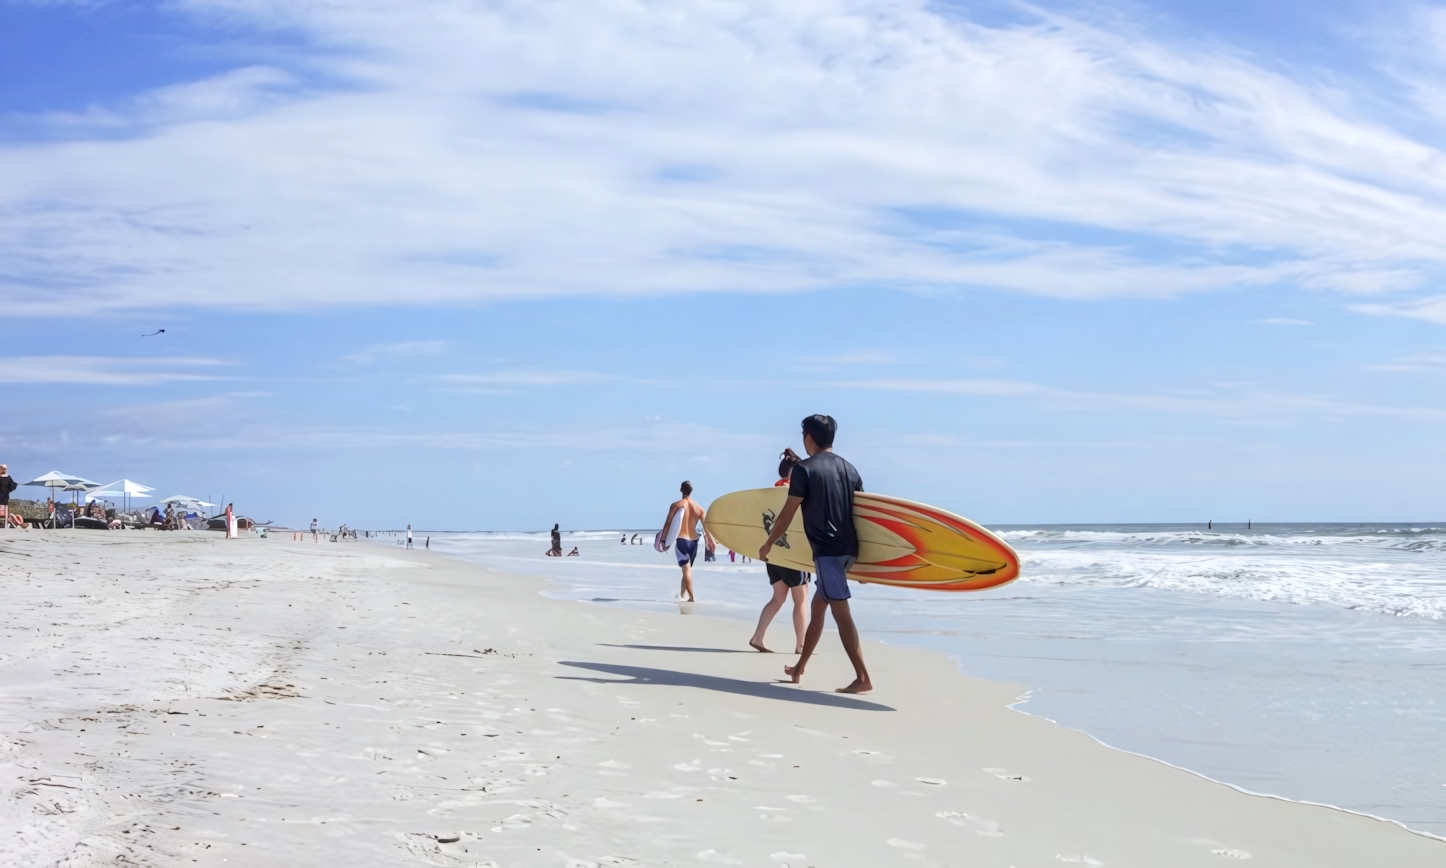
x=178 y=699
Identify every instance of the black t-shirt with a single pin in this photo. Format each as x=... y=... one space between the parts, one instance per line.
x=827 y=484
x=7 y=485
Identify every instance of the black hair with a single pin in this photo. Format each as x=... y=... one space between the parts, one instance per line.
x=786 y=462
x=686 y=488
x=821 y=428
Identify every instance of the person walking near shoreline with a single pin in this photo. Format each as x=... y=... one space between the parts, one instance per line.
x=785 y=582
x=823 y=484
x=409 y=536
x=686 y=546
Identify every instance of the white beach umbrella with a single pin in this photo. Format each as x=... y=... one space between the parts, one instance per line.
x=80 y=484
x=120 y=488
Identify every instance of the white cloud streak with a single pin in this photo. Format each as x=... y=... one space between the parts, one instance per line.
x=533 y=149
x=104 y=370
x=402 y=350
x=1235 y=405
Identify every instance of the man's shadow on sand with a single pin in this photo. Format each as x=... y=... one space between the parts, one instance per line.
x=762 y=690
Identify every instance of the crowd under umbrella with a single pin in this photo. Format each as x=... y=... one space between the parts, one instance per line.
x=186 y=502
x=123 y=488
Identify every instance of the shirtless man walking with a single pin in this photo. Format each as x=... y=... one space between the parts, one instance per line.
x=686 y=547
x=823 y=484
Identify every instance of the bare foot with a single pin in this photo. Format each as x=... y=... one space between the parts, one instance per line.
x=758 y=646
x=794 y=673
x=859 y=686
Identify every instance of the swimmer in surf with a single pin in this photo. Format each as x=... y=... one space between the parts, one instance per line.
x=686 y=548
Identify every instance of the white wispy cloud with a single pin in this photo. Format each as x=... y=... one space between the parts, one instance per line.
x=105 y=370
x=401 y=350
x=687 y=146
x=498 y=380
x=1237 y=404
x=950 y=387
x=1414 y=362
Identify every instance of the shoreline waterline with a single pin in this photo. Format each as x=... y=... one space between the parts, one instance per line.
x=1233 y=686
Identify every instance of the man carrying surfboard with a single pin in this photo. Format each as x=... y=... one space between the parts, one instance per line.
x=823 y=484
x=689 y=513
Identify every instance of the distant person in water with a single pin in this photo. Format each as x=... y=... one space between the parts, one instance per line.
x=785 y=582
x=556 y=550
x=823 y=485
x=686 y=547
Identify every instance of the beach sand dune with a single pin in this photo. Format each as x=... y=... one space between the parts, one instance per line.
x=168 y=699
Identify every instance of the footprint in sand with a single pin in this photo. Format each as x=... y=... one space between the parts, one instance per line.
x=1231 y=854
x=718 y=858
x=905 y=845
x=933 y=782
x=1006 y=775
x=694 y=766
x=614 y=764
x=883 y=783
x=513 y=823
x=1080 y=858
x=802 y=800
x=761 y=764
x=607 y=804
x=981 y=826
x=786 y=857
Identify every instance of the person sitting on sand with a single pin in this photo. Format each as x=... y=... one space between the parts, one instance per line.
x=823 y=484
x=686 y=546
x=784 y=581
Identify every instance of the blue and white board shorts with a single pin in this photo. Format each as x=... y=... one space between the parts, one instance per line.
x=686 y=550
x=832 y=572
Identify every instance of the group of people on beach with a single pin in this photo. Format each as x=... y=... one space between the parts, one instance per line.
x=822 y=486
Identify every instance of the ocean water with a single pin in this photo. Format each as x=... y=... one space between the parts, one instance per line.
x=1303 y=661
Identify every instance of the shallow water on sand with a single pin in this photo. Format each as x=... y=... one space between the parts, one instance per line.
x=1305 y=661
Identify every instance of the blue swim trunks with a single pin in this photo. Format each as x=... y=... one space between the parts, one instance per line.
x=833 y=576
x=686 y=550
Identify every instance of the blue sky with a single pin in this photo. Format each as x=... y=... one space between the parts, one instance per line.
x=494 y=265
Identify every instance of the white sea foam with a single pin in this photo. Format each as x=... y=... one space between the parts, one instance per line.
x=1390 y=570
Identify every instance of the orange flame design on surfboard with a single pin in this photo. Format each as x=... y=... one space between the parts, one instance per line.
x=948 y=552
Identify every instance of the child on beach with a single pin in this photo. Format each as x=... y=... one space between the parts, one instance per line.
x=784 y=581
x=823 y=484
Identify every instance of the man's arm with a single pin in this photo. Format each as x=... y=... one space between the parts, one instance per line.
x=707 y=537
x=780 y=526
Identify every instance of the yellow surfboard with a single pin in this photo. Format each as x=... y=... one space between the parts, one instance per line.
x=901 y=543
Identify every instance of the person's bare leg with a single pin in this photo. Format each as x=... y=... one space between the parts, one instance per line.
x=810 y=638
x=687 y=590
x=770 y=610
x=849 y=635
x=800 y=619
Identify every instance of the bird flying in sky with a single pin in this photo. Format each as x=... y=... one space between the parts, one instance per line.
x=153 y=334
